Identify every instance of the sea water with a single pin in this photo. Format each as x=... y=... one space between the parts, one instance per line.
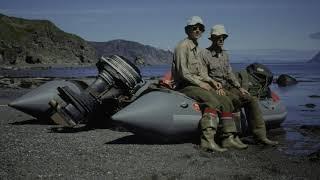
x=295 y=97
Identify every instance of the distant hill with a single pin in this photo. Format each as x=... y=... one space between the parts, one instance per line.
x=134 y=51
x=24 y=42
x=316 y=58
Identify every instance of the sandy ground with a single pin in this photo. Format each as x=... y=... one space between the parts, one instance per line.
x=35 y=149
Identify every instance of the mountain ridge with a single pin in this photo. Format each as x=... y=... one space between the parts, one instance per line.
x=134 y=51
x=24 y=41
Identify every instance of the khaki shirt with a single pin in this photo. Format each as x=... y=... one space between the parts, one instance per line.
x=219 y=67
x=187 y=68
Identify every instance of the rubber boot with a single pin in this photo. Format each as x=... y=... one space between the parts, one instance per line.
x=208 y=127
x=257 y=123
x=229 y=129
x=239 y=142
x=267 y=141
x=237 y=120
x=229 y=142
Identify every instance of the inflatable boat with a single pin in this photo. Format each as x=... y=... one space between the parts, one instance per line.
x=120 y=95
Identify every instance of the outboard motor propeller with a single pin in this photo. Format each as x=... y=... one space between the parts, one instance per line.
x=117 y=76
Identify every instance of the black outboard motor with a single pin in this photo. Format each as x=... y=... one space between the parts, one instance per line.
x=261 y=73
x=117 y=76
x=260 y=77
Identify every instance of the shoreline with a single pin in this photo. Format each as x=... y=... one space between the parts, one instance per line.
x=35 y=149
x=38 y=149
x=45 y=66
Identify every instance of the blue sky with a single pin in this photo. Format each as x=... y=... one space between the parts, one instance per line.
x=252 y=24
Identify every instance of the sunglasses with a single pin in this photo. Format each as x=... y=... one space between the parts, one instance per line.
x=200 y=28
x=218 y=38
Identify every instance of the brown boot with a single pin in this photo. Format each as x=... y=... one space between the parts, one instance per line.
x=208 y=130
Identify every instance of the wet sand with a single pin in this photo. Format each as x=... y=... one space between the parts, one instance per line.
x=31 y=149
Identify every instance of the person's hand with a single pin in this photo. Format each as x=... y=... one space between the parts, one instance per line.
x=206 y=86
x=221 y=92
x=243 y=91
x=216 y=85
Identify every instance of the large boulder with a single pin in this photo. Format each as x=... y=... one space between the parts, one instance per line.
x=24 y=42
x=286 y=80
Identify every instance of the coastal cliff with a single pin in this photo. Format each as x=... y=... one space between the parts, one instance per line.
x=24 y=42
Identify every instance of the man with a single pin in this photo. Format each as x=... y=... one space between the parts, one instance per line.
x=191 y=78
x=217 y=62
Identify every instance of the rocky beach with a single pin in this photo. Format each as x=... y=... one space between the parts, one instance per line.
x=36 y=148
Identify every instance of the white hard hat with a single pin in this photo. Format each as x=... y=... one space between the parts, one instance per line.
x=218 y=30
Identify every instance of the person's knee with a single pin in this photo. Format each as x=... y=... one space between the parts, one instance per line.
x=228 y=102
x=214 y=103
x=237 y=104
x=227 y=105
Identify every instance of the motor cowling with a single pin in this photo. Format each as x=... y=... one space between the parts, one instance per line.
x=117 y=77
x=259 y=78
x=261 y=73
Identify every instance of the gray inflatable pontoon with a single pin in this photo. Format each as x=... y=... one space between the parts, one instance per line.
x=142 y=106
x=164 y=114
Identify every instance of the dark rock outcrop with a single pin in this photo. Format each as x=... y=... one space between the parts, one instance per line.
x=135 y=52
x=310 y=105
x=314 y=96
x=286 y=80
x=315 y=58
x=24 y=42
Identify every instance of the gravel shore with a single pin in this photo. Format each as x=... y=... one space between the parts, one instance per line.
x=32 y=149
